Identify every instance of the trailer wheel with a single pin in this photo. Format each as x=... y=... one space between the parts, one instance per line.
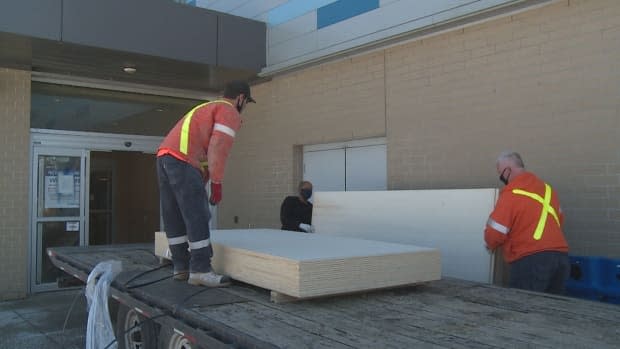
x=169 y=339
x=134 y=331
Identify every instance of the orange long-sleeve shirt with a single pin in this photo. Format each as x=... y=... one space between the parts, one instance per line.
x=514 y=220
x=204 y=137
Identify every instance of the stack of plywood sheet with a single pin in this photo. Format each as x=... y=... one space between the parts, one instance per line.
x=451 y=220
x=310 y=265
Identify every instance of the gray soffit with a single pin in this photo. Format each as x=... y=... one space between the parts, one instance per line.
x=169 y=44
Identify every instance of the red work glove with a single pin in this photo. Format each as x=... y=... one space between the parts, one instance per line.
x=216 y=193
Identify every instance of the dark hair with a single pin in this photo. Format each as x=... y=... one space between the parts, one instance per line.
x=301 y=184
x=237 y=87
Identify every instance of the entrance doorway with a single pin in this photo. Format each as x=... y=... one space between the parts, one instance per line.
x=57 y=212
x=123 y=198
x=89 y=189
x=93 y=165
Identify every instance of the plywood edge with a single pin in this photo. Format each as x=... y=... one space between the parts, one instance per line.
x=337 y=276
x=258 y=269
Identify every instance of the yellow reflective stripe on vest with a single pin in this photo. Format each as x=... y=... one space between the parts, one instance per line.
x=546 y=209
x=184 y=139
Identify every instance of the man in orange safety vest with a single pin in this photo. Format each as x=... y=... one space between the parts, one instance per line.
x=194 y=152
x=527 y=223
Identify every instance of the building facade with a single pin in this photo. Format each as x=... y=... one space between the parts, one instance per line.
x=446 y=97
x=543 y=81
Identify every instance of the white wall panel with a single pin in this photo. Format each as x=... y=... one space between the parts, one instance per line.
x=352 y=28
x=296 y=40
x=386 y=2
x=292 y=29
x=257 y=9
x=366 y=168
x=352 y=165
x=468 y=7
x=301 y=47
x=325 y=169
x=390 y=19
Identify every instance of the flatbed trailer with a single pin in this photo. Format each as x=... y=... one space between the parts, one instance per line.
x=155 y=311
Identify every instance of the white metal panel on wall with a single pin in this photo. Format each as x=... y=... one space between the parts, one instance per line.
x=354 y=165
x=366 y=168
x=391 y=19
x=292 y=29
x=325 y=169
x=293 y=37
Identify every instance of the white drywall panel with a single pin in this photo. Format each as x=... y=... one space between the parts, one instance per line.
x=302 y=247
x=451 y=220
x=310 y=265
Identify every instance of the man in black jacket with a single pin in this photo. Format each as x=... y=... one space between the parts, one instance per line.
x=296 y=211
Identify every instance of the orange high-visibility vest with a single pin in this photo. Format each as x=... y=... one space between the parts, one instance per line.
x=204 y=137
x=545 y=211
x=521 y=223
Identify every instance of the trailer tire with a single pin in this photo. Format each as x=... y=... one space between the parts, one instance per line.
x=134 y=331
x=170 y=339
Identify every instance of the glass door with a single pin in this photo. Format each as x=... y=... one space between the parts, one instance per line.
x=58 y=208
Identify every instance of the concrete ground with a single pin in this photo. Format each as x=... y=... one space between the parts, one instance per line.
x=38 y=321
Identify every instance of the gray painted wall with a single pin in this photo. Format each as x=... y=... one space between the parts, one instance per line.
x=160 y=28
x=36 y=18
x=241 y=43
x=154 y=27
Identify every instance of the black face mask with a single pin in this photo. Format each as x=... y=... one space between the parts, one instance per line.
x=306 y=193
x=504 y=179
x=239 y=107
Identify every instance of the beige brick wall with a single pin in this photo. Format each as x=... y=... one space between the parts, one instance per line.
x=14 y=174
x=335 y=102
x=545 y=82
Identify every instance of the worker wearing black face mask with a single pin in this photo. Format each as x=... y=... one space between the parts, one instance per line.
x=527 y=224
x=296 y=211
x=194 y=152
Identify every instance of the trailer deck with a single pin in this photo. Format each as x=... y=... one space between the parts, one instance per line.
x=449 y=313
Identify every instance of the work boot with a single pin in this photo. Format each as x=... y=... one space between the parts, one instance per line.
x=181 y=275
x=210 y=279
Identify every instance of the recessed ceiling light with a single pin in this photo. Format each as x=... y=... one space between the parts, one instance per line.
x=159 y=109
x=129 y=70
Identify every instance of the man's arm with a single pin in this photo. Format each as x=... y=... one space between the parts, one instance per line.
x=287 y=217
x=225 y=127
x=499 y=224
x=495 y=234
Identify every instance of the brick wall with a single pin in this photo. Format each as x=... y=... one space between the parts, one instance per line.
x=544 y=82
x=14 y=174
x=328 y=103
